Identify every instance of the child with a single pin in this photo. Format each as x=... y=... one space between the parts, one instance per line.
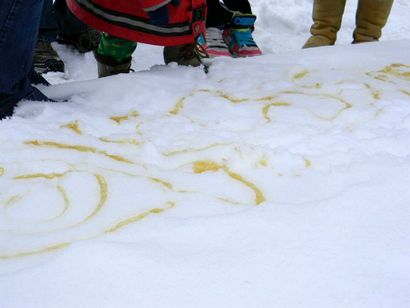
x=175 y=24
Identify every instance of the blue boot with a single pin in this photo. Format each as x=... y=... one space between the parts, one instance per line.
x=238 y=36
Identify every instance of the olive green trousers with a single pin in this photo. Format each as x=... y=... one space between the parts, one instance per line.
x=371 y=17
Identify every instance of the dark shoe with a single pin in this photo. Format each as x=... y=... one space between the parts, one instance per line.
x=37 y=79
x=83 y=41
x=37 y=96
x=108 y=66
x=8 y=103
x=189 y=55
x=46 y=59
x=371 y=17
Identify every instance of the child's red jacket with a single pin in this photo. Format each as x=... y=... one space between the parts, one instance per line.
x=128 y=19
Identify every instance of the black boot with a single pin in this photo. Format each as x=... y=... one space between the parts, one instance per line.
x=46 y=58
x=36 y=78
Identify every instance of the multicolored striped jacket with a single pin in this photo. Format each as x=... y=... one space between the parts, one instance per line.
x=128 y=19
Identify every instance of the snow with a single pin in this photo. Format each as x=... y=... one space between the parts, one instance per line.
x=274 y=181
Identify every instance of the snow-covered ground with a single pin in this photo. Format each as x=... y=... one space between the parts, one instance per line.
x=276 y=181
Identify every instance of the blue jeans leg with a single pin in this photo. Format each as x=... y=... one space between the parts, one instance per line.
x=19 y=21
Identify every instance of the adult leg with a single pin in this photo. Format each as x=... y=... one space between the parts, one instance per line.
x=242 y=6
x=48 y=27
x=327 y=19
x=19 y=21
x=72 y=31
x=371 y=17
x=46 y=58
x=66 y=21
x=217 y=16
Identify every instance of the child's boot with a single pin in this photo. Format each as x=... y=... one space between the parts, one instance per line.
x=108 y=66
x=238 y=36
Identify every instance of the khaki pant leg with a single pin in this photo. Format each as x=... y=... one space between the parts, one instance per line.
x=371 y=17
x=327 y=18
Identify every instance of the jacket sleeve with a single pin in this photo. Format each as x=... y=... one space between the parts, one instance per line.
x=152 y=5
